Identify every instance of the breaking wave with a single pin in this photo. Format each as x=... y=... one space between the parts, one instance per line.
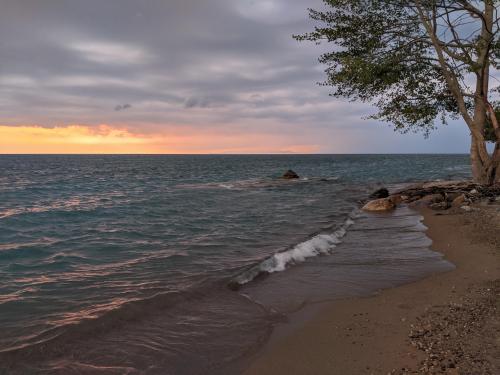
x=320 y=244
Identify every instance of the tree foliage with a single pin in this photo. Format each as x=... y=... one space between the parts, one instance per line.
x=380 y=57
x=418 y=61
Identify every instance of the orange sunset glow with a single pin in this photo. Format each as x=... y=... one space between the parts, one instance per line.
x=105 y=139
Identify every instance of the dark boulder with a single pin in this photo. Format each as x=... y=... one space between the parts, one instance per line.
x=290 y=175
x=380 y=193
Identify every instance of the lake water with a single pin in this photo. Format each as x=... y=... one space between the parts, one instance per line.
x=183 y=264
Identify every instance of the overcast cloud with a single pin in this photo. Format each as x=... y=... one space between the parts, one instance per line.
x=227 y=65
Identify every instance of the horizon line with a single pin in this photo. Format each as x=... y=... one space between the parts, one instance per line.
x=230 y=154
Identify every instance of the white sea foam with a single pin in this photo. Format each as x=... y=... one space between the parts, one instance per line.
x=320 y=244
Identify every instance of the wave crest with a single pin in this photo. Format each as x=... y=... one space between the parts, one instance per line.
x=320 y=244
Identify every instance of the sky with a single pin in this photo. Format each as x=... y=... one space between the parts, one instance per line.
x=179 y=76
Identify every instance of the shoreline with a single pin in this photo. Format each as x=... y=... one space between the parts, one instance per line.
x=382 y=334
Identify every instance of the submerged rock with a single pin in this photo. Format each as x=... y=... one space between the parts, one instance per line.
x=380 y=193
x=290 y=175
x=378 y=205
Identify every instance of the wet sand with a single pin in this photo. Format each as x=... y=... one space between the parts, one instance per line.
x=423 y=327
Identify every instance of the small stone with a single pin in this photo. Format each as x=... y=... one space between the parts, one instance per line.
x=458 y=201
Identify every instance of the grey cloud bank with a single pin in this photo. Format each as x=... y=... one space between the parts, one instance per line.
x=226 y=64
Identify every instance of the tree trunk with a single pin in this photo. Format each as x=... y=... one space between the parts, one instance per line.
x=494 y=169
x=478 y=171
x=497 y=175
x=485 y=172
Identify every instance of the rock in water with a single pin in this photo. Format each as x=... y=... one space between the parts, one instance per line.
x=378 y=205
x=380 y=193
x=290 y=175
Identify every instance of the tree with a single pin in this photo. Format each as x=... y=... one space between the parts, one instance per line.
x=420 y=62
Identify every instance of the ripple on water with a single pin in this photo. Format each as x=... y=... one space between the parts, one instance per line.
x=91 y=246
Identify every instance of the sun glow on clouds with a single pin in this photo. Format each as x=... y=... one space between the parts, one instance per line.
x=68 y=139
x=105 y=139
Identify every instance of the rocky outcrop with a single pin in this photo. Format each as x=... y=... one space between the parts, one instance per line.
x=380 y=205
x=440 y=195
x=290 y=175
x=445 y=194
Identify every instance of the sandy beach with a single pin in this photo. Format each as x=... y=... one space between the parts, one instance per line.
x=447 y=323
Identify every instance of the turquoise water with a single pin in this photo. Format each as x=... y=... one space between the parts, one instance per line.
x=101 y=252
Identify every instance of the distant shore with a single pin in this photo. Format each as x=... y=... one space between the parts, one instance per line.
x=447 y=323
